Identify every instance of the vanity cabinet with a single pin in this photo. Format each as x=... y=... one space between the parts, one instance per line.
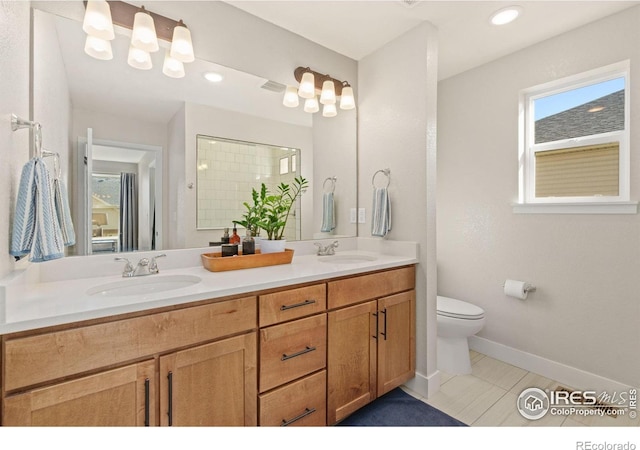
x=293 y=355
x=371 y=338
x=120 y=397
x=210 y=385
x=110 y=368
x=304 y=355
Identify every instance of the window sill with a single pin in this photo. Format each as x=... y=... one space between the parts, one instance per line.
x=576 y=208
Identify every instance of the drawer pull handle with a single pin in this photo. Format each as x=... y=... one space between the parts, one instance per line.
x=375 y=336
x=297 y=305
x=146 y=402
x=384 y=311
x=170 y=412
x=301 y=352
x=306 y=412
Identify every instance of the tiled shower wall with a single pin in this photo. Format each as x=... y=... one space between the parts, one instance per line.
x=229 y=170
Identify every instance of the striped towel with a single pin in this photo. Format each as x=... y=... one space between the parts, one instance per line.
x=381 y=212
x=328 y=213
x=63 y=213
x=35 y=226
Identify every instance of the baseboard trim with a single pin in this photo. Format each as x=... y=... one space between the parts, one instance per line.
x=570 y=376
x=425 y=385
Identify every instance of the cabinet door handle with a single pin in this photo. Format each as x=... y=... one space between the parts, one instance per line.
x=297 y=305
x=146 y=402
x=301 y=352
x=375 y=336
x=384 y=333
x=170 y=412
x=306 y=412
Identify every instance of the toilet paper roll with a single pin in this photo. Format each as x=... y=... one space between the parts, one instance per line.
x=517 y=289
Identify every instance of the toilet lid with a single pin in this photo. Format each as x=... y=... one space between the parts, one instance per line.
x=457 y=309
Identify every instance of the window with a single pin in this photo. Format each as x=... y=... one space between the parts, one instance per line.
x=575 y=141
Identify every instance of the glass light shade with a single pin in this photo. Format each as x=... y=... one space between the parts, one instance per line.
x=329 y=110
x=97 y=20
x=347 y=101
x=307 y=87
x=144 y=33
x=181 y=45
x=98 y=48
x=172 y=67
x=328 y=94
x=311 y=105
x=290 y=99
x=139 y=58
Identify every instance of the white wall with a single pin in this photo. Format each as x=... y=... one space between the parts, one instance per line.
x=14 y=92
x=396 y=130
x=586 y=311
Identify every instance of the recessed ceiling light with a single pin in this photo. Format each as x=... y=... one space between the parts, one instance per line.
x=506 y=15
x=213 y=77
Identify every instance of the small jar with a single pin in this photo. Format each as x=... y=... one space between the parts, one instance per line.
x=229 y=249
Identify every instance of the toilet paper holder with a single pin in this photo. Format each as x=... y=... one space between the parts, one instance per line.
x=527 y=287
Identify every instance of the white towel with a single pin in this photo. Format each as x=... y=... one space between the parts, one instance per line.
x=63 y=213
x=381 y=212
x=328 y=213
x=35 y=226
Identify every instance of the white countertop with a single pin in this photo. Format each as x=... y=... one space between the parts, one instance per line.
x=29 y=301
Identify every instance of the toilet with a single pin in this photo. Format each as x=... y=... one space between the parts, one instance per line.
x=457 y=320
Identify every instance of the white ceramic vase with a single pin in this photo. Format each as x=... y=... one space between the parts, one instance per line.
x=272 y=246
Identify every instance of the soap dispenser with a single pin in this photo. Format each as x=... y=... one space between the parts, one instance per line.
x=248 y=244
x=234 y=239
x=225 y=236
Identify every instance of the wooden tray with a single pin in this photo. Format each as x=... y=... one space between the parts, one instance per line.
x=214 y=262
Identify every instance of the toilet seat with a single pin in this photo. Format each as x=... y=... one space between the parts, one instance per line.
x=457 y=309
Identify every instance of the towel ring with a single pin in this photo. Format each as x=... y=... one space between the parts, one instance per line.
x=333 y=184
x=386 y=172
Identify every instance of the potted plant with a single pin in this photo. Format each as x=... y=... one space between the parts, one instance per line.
x=275 y=209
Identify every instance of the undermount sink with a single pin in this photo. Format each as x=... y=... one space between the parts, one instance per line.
x=149 y=284
x=346 y=259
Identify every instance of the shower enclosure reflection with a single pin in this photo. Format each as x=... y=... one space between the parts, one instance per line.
x=227 y=172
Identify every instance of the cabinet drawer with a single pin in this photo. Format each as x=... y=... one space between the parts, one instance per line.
x=49 y=356
x=292 y=304
x=301 y=403
x=292 y=350
x=366 y=287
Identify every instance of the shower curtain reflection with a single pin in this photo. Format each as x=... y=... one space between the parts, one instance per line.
x=128 y=212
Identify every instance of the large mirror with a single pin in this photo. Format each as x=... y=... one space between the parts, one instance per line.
x=107 y=120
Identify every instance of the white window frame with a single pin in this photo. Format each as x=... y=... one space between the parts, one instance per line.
x=527 y=201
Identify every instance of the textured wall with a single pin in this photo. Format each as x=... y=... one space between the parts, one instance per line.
x=396 y=130
x=585 y=313
x=14 y=92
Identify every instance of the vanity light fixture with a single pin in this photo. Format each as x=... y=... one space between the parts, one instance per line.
x=147 y=27
x=313 y=84
x=505 y=15
x=97 y=20
x=144 y=34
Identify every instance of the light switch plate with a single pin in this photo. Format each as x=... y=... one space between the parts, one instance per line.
x=352 y=215
x=361 y=215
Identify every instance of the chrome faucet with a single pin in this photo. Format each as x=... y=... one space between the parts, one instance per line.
x=326 y=250
x=145 y=266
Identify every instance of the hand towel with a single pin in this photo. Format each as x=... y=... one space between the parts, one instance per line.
x=63 y=213
x=328 y=213
x=381 y=212
x=35 y=225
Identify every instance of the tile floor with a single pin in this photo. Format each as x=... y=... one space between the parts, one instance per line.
x=487 y=397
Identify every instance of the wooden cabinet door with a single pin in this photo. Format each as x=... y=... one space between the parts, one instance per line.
x=351 y=360
x=118 y=397
x=210 y=385
x=397 y=342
